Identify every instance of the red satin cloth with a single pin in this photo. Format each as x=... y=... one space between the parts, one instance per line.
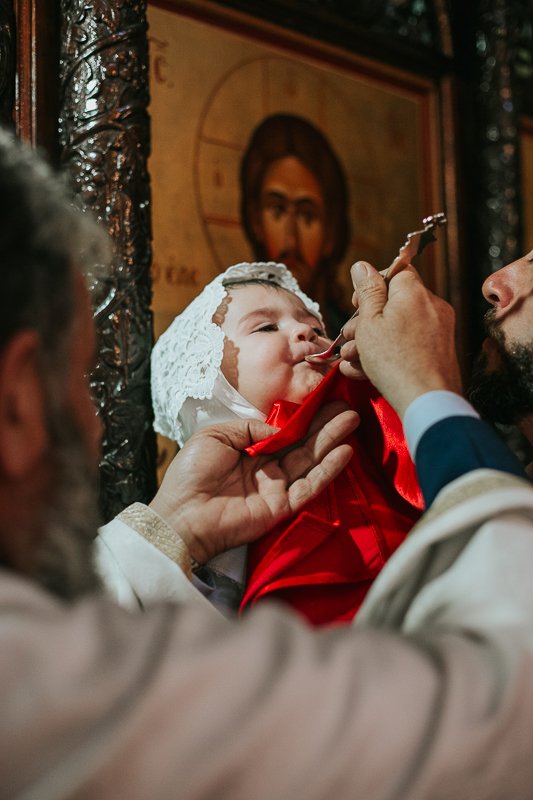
x=323 y=560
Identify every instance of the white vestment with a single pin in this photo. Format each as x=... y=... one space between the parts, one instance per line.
x=98 y=702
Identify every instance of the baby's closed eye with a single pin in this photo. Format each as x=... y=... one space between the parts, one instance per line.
x=266 y=327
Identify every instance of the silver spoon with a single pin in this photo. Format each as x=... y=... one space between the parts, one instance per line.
x=415 y=243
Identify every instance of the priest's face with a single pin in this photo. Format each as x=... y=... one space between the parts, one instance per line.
x=502 y=384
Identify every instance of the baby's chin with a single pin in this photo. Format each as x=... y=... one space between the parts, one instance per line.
x=311 y=377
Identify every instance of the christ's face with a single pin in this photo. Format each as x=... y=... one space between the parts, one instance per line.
x=291 y=222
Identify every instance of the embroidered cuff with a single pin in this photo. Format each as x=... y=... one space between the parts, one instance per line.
x=155 y=530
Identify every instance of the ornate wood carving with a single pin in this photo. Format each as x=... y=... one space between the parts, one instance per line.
x=7 y=62
x=104 y=135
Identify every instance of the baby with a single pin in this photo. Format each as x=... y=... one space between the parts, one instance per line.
x=238 y=351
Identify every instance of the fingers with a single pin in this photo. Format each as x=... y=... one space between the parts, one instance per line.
x=299 y=461
x=371 y=289
x=369 y=297
x=239 y=435
x=333 y=432
x=325 y=414
x=329 y=424
x=351 y=367
x=303 y=489
x=400 y=263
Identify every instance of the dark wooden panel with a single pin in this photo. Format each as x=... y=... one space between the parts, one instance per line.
x=7 y=62
x=37 y=103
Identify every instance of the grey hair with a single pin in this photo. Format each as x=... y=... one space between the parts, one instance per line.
x=44 y=238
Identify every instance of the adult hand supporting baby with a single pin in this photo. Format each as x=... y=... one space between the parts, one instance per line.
x=403 y=339
x=216 y=497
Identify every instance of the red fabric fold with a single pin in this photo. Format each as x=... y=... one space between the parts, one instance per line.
x=323 y=560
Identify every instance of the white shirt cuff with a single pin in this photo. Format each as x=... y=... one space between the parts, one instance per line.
x=429 y=409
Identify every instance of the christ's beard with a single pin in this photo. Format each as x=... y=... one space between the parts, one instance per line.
x=504 y=395
x=65 y=560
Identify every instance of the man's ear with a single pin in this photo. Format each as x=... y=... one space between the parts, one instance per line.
x=23 y=431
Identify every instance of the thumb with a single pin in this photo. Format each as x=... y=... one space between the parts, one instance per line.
x=370 y=288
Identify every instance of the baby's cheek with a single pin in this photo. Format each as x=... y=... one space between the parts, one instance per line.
x=230 y=363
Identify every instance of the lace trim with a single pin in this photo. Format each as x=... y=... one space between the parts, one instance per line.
x=187 y=356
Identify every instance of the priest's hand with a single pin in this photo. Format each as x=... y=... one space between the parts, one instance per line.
x=217 y=497
x=403 y=338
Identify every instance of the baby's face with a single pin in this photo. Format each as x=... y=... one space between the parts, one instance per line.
x=268 y=334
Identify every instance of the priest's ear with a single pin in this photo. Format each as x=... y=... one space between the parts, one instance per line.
x=23 y=430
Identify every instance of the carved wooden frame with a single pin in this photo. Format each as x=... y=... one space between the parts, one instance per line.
x=104 y=139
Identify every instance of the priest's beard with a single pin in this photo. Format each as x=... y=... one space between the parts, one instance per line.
x=504 y=395
x=64 y=562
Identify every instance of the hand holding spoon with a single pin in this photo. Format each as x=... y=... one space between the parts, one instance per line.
x=414 y=245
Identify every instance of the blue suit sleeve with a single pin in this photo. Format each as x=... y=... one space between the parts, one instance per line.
x=457 y=445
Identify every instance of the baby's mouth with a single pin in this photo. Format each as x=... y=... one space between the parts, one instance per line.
x=311 y=351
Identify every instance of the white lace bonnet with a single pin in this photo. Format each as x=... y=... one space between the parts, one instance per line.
x=188 y=388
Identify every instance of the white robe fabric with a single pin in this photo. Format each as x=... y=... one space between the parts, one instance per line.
x=136 y=573
x=428 y=697
x=455 y=555
x=141 y=561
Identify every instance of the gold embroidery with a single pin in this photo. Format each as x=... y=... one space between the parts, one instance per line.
x=155 y=530
x=466 y=490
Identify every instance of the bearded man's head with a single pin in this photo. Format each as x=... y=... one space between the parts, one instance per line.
x=44 y=240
